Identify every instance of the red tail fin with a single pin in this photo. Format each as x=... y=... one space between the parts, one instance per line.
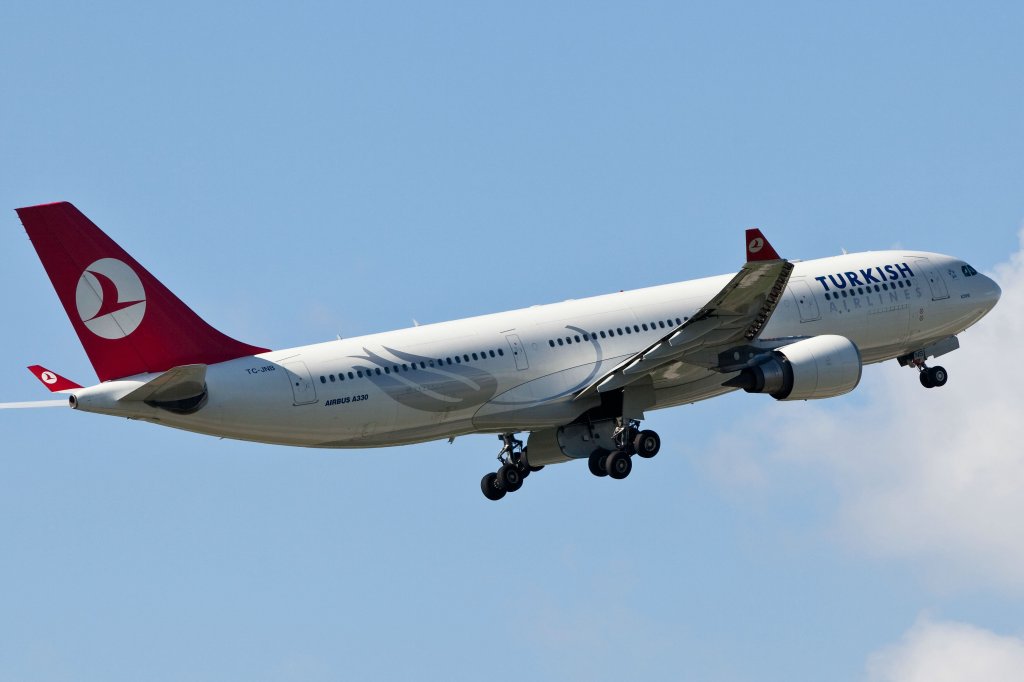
x=128 y=322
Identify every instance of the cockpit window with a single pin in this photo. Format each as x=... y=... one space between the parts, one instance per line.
x=968 y=270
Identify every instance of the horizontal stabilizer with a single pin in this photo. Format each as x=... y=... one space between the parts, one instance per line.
x=179 y=383
x=53 y=381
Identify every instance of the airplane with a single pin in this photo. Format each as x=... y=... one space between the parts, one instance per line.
x=576 y=377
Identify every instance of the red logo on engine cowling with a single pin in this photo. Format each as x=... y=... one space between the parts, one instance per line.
x=110 y=298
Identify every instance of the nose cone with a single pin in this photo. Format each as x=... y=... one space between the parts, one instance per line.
x=988 y=292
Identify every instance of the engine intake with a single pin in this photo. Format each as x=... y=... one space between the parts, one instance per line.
x=820 y=367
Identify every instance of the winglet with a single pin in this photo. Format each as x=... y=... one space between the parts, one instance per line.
x=758 y=247
x=53 y=381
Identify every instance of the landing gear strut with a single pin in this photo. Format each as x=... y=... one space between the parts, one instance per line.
x=628 y=440
x=514 y=468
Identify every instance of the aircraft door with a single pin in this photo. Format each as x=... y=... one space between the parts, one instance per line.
x=935 y=280
x=303 y=388
x=518 y=351
x=805 y=300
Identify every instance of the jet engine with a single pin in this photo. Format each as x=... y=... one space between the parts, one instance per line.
x=820 y=367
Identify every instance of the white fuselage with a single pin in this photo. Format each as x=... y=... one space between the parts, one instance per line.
x=521 y=370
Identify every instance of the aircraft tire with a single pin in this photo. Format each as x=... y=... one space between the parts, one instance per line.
x=490 y=490
x=596 y=463
x=926 y=379
x=509 y=478
x=939 y=376
x=647 y=444
x=618 y=464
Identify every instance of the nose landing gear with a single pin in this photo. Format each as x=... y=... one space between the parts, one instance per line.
x=931 y=377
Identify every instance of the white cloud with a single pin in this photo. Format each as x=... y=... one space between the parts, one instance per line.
x=935 y=476
x=936 y=651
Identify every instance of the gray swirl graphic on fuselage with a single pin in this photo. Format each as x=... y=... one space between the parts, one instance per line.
x=599 y=353
x=430 y=385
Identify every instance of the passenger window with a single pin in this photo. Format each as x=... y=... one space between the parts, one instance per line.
x=474 y=356
x=560 y=342
x=602 y=335
x=577 y=337
x=448 y=360
x=501 y=352
x=661 y=323
x=387 y=370
x=491 y=352
x=360 y=373
x=586 y=337
x=331 y=377
x=376 y=371
x=619 y=330
x=341 y=376
x=323 y=379
x=351 y=376
x=645 y=327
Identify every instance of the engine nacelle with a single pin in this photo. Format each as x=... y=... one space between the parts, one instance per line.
x=820 y=367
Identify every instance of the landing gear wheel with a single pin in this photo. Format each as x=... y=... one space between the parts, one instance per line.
x=926 y=378
x=647 y=444
x=596 y=463
x=618 y=464
x=489 y=486
x=939 y=376
x=509 y=478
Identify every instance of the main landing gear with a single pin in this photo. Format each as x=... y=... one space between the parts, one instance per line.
x=629 y=440
x=931 y=377
x=514 y=468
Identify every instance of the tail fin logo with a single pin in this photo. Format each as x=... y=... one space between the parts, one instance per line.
x=756 y=244
x=111 y=299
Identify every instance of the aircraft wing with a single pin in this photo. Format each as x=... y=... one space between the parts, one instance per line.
x=735 y=316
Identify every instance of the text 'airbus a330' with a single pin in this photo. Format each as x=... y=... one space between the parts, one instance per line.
x=576 y=377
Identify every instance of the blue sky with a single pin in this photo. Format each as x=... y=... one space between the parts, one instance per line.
x=298 y=172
